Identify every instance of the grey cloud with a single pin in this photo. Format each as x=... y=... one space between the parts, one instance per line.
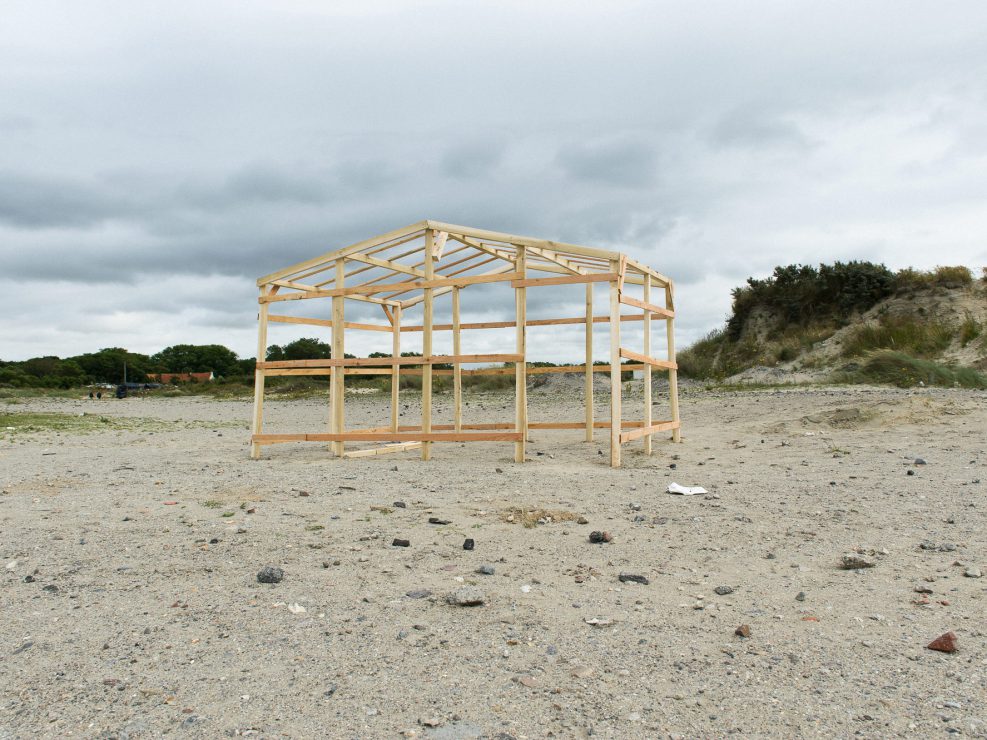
x=38 y=201
x=474 y=158
x=625 y=163
x=753 y=126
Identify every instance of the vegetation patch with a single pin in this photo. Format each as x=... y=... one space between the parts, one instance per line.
x=905 y=334
x=905 y=371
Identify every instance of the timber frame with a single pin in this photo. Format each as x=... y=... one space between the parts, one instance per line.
x=429 y=259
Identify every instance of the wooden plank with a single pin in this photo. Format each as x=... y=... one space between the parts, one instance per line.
x=656 y=310
x=386 y=264
x=647 y=366
x=293 y=285
x=520 y=367
x=673 y=375
x=551 y=256
x=457 y=370
x=502 y=425
x=258 y=421
x=505 y=270
x=383 y=361
x=532 y=322
x=389 y=437
x=366 y=290
x=661 y=426
x=329 y=257
x=396 y=370
x=428 y=297
x=598 y=277
x=657 y=277
x=439 y=244
x=653 y=361
x=338 y=377
x=588 y=367
x=615 y=384
x=386 y=449
x=526 y=241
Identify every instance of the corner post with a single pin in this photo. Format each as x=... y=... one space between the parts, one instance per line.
x=258 y=424
x=673 y=373
x=338 y=372
x=647 y=366
x=457 y=368
x=396 y=369
x=615 y=388
x=589 y=362
x=521 y=368
x=427 y=344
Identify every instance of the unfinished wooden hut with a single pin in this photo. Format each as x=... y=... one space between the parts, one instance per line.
x=424 y=262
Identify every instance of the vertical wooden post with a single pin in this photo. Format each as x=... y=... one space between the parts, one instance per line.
x=457 y=369
x=673 y=374
x=427 y=344
x=589 y=362
x=615 y=413
x=647 y=366
x=396 y=370
x=338 y=373
x=258 y=425
x=521 y=368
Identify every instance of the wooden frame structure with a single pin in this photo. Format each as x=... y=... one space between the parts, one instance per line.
x=421 y=262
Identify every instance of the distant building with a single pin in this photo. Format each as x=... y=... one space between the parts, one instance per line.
x=181 y=377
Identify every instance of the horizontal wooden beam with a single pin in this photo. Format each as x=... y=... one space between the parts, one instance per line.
x=382 y=361
x=599 y=277
x=326 y=322
x=656 y=310
x=315 y=371
x=533 y=322
x=653 y=361
x=365 y=290
x=293 y=285
x=661 y=426
x=386 y=449
x=386 y=264
x=264 y=439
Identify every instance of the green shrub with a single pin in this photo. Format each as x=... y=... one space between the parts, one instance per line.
x=970 y=329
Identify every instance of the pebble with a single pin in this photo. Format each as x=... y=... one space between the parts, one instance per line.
x=437 y=520
x=419 y=593
x=723 y=590
x=401 y=543
x=856 y=562
x=469 y=544
x=972 y=572
x=743 y=630
x=597 y=537
x=400 y=505
x=485 y=570
x=270 y=574
x=945 y=643
x=467 y=596
x=633 y=578
x=800 y=596
x=582 y=671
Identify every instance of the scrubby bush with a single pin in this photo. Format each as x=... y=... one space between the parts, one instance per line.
x=905 y=371
x=902 y=334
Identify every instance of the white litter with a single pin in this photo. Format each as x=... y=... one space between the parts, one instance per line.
x=686 y=490
x=296 y=608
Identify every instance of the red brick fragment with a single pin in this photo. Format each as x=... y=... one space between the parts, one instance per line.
x=945 y=643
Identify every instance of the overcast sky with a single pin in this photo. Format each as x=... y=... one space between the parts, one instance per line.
x=156 y=158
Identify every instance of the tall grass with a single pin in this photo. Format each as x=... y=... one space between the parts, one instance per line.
x=905 y=371
x=901 y=334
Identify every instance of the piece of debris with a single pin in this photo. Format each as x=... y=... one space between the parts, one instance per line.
x=800 y=596
x=945 y=643
x=436 y=520
x=972 y=572
x=468 y=544
x=485 y=570
x=597 y=537
x=296 y=608
x=632 y=578
x=270 y=574
x=401 y=543
x=685 y=490
x=400 y=505
x=597 y=622
x=743 y=630
x=723 y=590
x=467 y=596
x=420 y=593
x=855 y=562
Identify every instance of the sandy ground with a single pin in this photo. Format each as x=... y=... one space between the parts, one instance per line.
x=130 y=605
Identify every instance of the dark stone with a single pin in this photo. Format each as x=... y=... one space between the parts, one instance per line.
x=469 y=544
x=436 y=520
x=400 y=505
x=51 y=588
x=270 y=574
x=28 y=579
x=743 y=630
x=919 y=461
x=800 y=596
x=214 y=541
x=418 y=594
x=597 y=537
x=401 y=543
x=723 y=590
x=910 y=472
x=485 y=570
x=632 y=578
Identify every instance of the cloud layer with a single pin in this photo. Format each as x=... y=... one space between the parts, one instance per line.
x=155 y=163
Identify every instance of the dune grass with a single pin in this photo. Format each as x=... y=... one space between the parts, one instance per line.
x=904 y=371
x=904 y=334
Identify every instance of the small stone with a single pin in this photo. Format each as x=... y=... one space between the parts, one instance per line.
x=420 y=593
x=743 y=630
x=270 y=574
x=400 y=505
x=597 y=537
x=51 y=588
x=582 y=671
x=28 y=579
x=582 y=520
x=945 y=643
x=401 y=543
x=467 y=596
x=469 y=544
x=919 y=461
x=437 y=520
x=635 y=507
x=972 y=572
x=430 y=722
x=632 y=578
x=723 y=590
x=855 y=562
x=498 y=470
x=402 y=634
x=530 y=681
x=910 y=472
x=800 y=596
x=485 y=570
